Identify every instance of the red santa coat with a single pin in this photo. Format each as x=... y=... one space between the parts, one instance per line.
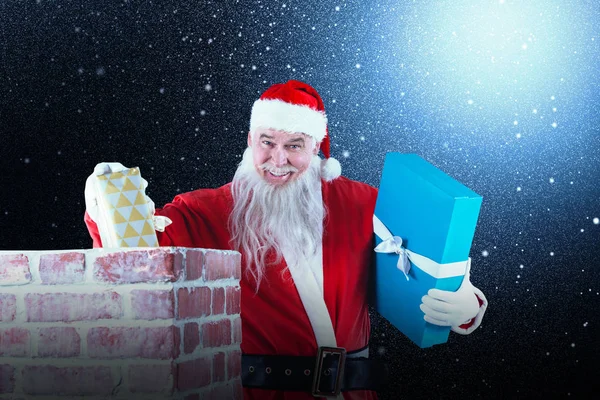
x=274 y=321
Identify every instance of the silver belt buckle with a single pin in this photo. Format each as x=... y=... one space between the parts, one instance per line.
x=339 y=379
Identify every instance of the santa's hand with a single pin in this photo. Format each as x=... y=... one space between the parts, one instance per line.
x=445 y=308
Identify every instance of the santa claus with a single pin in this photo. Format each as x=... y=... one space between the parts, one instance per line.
x=306 y=238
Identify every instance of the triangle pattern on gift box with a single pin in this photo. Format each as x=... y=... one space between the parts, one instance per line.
x=140 y=199
x=126 y=212
x=128 y=185
x=130 y=232
x=118 y=218
x=152 y=240
x=126 y=209
x=132 y=241
x=111 y=188
x=123 y=201
x=136 y=215
x=130 y=195
x=137 y=226
x=147 y=229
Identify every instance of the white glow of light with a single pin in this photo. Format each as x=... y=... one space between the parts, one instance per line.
x=596 y=221
x=503 y=52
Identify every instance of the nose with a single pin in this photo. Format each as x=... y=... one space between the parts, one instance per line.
x=279 y=156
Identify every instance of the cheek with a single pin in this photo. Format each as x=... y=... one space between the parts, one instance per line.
x=259 y=155
x=302 y=161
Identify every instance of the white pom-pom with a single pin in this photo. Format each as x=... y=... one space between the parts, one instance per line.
x=330 y=169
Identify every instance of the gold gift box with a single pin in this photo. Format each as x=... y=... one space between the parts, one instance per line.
x=124 y=213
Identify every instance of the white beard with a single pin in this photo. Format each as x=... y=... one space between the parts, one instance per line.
x=267 y=217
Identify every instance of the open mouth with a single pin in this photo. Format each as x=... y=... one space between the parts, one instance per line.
x=277 y=178
x=279 y=175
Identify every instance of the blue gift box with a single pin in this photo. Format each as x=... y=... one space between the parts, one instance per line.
x=435 y=215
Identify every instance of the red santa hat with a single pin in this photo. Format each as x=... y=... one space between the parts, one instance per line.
x=296 y=107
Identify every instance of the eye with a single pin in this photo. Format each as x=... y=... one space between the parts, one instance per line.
x=266 y=143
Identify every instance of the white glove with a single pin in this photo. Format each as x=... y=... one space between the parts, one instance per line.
x=446 y=308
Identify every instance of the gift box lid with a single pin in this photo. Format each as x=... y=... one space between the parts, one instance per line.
x=433 y=213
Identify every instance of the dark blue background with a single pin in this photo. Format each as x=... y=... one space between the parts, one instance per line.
x=168 y=86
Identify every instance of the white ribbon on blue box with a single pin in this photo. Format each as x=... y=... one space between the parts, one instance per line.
x=424 y=224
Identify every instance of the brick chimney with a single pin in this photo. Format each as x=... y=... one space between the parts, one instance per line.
x=145 y=323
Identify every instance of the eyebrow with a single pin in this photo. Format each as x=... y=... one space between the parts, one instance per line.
x=296 y=140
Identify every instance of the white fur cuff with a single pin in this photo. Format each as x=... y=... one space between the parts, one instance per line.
x=475 y=322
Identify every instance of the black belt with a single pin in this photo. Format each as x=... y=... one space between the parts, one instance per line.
x=325 y=375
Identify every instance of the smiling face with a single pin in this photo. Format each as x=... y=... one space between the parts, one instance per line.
x=279 y=156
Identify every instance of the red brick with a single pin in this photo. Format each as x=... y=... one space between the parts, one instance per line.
x=234 y=364
x=14 y=270
x=152 y=304
x=216 y=334
x=237 y=330
x=74 y=381
x=218 y=367
x=67 y=307
x=194 y=264
x=220 y=392
x=14 y=342
x=7 y=378
x=151 y=378
x=58 y=342
x=124 y=342
x=8 y=307
x=233 y=297
x=62 y=268
x=191 y=337
x=218 y=300
x=238 y=393
x=157 y=265
x=194 y=374
x=220 y=264
x=193 y=302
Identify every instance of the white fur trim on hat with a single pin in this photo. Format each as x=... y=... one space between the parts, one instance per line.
x=277 y=114
x=330 y=169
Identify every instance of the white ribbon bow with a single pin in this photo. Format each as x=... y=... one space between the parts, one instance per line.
x=393 y=244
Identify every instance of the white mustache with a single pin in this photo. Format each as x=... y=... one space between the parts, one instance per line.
x=278 y=171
